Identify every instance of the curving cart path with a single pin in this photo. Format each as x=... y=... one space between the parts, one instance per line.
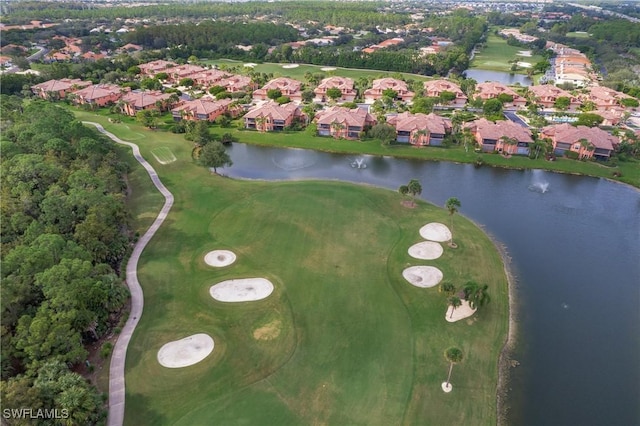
x=116 y=369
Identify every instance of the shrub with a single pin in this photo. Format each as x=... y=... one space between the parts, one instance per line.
x=105 y=351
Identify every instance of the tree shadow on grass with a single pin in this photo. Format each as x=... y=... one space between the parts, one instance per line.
x=144 y=414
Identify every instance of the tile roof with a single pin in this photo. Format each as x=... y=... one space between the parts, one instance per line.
x=144 y=98
x=97 y=91
x=273 y=110
x=342 y=83
x=495 y=131
x=356 y=117
x=62 y=84
x=435 y=87
x=203 y=106
x=567 y=133
x=407 y=122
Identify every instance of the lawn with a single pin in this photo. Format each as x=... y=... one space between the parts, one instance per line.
x=299 y=72
x=495 y=56
x=356 y=344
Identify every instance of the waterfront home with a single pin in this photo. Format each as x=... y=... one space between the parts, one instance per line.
x=503 y=136
x=435 y=88
x=382 y=84
x=152 y=68
x=99 y=94
x=201 y=109
x=344 y=84
x=587 y=142
x=287 y=86
x=58 y=89
x=420 y=129
x=139 y=100
x=341 y=122
x=492 y=90
x=546 y=96
x=270 y=116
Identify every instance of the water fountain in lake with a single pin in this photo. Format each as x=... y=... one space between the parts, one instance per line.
x=538 y=183
x=358 y=163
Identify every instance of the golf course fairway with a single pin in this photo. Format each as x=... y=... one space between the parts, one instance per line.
x=343 y=339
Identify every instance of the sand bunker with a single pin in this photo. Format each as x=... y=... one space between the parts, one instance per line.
x=525 y=64
x=250 y=65
x=219 y=258
x=524 y=53
x=423 y=276
x=461 y=312
x=427 y=250
x=185 y=352
x=435 y=231
x=241 y=290
x=328 y=69
x=290 y=66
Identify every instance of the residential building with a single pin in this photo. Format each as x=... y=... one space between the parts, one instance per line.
x=201 y=109
x=420 y=129
x=236 y=84
x=491 y=90
x=503 y=136
x=341 y=122
x=515 y=33
x=382 y=84
x=58 y=89
x=546 y=96
x=99 y=94
x=179 y=72
x=139 y=100
x=587 y=142
x=209 y=78
x=434 y=89
x=287 y=86
x=150 y=69
x=605 y=98
x=344 y=84
x=270 y=116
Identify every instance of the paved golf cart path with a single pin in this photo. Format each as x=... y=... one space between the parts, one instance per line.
x=116 y=369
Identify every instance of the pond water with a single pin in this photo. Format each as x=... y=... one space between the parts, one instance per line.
x=498 y=76
x=575 y=245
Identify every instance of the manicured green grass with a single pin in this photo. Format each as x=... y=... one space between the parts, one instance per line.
x=163 y=155
x=299 y=72
x=578 y=34
x=356 y=345
x=497 y=54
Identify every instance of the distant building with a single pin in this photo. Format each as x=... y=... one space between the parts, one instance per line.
x=58 y=89
x=287 y=86
x=382 y=84
x=435 y=88
x=344 y=84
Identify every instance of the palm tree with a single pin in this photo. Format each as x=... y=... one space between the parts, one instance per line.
x=261 y=123
x=476 y=295
x=455 y=302
x=585 y=146
x=508 y=142
x=452 y=204
x=454 y=356
x=417 y=136
x=447 y=288
x=414 y=188
x=337 y=128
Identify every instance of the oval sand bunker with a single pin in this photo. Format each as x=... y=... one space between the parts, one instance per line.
x=219 y=258
x=427 y=250
x=422 y=276
x=241 y=290
x=185 y=352
x=435 y=231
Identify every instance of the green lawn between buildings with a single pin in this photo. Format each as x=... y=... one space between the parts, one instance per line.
x=356 y=344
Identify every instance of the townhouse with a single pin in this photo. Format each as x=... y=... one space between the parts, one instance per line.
x=341 y=122
x=380 y=85
x=435 y=88
x=344 y=84
x=179 y=72
x=99 y=94
x=587 y=142
x=58 y=89
x=201 y=109
x=503 y=136
x=420 y=129
x=270 y=116
x=287 y=86
x=546 y=96
x=150 y=69
x=139 y=100
x=492 y=90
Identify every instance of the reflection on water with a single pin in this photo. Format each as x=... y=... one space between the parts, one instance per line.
x=499 y=76
x=294 y=159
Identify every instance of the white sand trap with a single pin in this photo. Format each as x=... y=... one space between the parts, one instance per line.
x=423 y=276
x=241 y=290
x=185 y=352
x=219 y=258
x=461 y=312
x=290 y=66
x=427 y=250
x=328 y=69
x=250 y=64
x=435 y=231
x=524 y=53
x=525 y=64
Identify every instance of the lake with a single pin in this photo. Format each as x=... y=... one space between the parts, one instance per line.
x=575 y=245
x=498 y=76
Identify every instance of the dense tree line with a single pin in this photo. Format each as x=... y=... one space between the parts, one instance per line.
x=64 y=237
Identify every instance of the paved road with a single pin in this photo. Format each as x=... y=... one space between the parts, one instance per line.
x=511 y=115
x=116 y=369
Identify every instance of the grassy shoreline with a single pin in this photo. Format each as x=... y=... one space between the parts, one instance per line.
x=249 y=217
